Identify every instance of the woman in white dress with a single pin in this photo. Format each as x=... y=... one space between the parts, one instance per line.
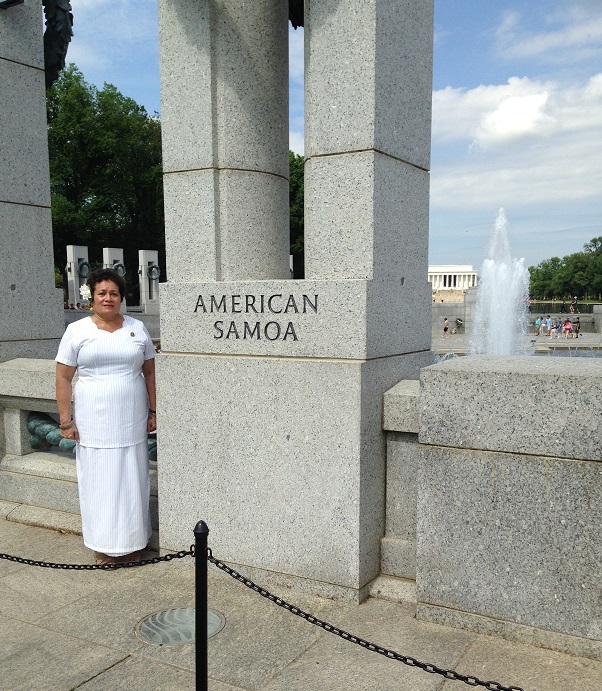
x=114 y=404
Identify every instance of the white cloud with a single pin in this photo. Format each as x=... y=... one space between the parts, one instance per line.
x=296 y=142
x=489 y=114
x=85 y=55
x=576 y=34
x=296 y=52
x=509 y=21
x=508 y=115
x=537 y=144
x=535 y=176
x=516 y=117
x=108 y=31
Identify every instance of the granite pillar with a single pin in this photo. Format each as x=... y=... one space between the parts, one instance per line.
x=149 y=273
x=78 y=270
x=112 y=258
x=30 y=305
x=224 y=116
x=270 y=391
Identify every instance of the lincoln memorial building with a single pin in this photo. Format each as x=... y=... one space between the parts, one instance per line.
x=449 y=282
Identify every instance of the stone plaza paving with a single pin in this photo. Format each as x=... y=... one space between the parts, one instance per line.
x=65 y=630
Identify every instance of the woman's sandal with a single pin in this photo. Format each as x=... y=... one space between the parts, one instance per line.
x=132 y=557
x=105 y=558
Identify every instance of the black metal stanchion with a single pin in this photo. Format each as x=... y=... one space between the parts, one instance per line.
x=201 y=531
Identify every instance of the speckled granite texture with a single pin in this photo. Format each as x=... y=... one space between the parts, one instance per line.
x=368 y=77
x=347 y=319
x=224 y=117
x=218 y=228
x=24 y=150
x=224 y=72
x=512 y=537
x=400 y=412
x=398 y=546
x=29 y=303
x=17 y=437
x=28 y=378
x=366 y=216
x=20 y=35
x=534 y=405
x=284 y=459
x=271 y=390
x=367 y=142
x=510 y=498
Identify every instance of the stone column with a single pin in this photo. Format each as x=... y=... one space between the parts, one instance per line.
x=78 y=270
x=367 y=141
x=149 y=273
x=31 y=307
x=224 y=116
x=270 y=391
x=15 y=429
x=112 y=258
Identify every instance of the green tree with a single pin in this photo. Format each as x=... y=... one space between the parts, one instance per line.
x=105 y=171
x=594 y=246
x=542 y=277
x=296 y=167
x=577 y=274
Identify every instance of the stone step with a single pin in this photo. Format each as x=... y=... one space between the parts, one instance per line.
x=43 y=486
x=61 y=521
x=393 y=589
x=46 y=518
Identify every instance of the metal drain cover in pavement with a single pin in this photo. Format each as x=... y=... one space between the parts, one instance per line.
x=176 y=626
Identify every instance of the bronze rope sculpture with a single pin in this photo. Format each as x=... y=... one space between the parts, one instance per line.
x=296 y=12
x=59 y=29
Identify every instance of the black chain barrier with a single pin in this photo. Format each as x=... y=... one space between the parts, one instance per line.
x=391 y=654
x=100 y=567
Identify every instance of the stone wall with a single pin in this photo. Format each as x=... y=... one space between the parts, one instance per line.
x=498 y=461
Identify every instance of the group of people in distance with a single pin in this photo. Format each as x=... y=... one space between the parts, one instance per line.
x=554 y=327
x=77 y=306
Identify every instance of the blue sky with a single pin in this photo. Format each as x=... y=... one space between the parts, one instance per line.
x=517 y=114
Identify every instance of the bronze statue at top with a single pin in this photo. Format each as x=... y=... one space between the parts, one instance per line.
x=296 y=12
x=59 y=29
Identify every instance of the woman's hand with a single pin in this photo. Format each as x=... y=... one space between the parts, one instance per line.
x=151 y=425
x=70 y=433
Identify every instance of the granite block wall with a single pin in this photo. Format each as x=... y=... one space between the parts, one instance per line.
x=25 y=222
x=284 y=459
x=224 y=114
x=509 y=499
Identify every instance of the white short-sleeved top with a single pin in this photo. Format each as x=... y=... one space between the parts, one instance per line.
x=109 y=397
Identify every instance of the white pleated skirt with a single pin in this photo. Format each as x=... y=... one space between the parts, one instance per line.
x=114 y=494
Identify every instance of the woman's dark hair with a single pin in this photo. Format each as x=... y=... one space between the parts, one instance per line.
x=101 y=275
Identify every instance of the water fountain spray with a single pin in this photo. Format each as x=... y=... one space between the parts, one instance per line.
x=500 y=320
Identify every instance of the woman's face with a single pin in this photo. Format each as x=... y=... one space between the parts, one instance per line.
x=106 y=300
